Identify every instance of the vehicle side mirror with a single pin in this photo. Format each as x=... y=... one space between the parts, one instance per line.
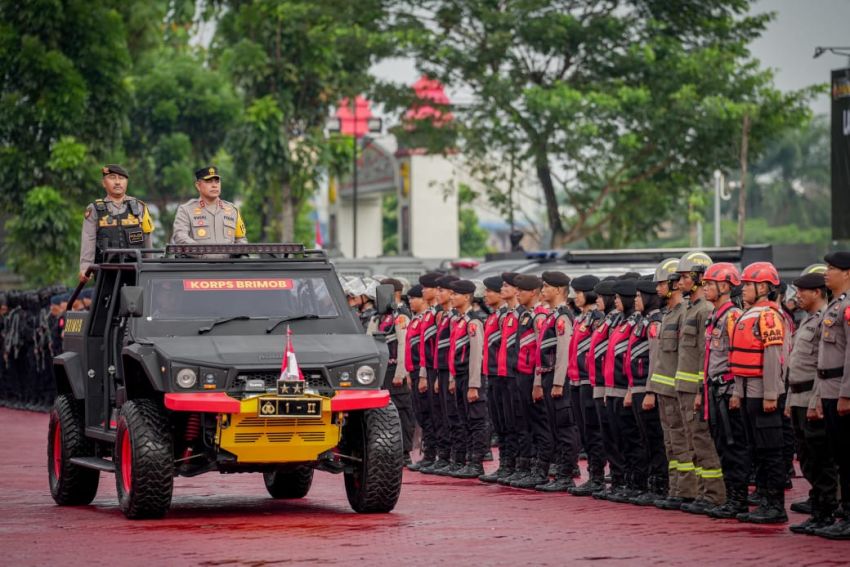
x=131 y=301
x=384 y=298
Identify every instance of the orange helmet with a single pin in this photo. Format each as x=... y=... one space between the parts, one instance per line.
x=761 y=272
x=722 y=272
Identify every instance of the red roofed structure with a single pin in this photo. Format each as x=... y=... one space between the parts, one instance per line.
x=430 y=93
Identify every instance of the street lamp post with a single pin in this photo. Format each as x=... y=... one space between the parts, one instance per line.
x=372 y=126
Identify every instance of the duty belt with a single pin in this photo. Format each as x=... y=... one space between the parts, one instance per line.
x=545 y=369
x=831 y=372
x=392 y=361
x=802 y=387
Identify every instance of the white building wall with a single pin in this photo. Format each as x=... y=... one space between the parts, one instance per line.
x=433 y=207
x=369 y=227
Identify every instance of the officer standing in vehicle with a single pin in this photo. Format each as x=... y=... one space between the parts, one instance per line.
x=116 y=221
x=833 y=385
x=208 y=219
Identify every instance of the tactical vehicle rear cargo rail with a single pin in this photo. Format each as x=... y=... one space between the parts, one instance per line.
x=194 y=253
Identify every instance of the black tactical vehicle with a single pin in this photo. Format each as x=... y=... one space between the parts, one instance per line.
x=176 y=370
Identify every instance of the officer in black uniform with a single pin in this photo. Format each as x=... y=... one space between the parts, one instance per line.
x=116 y=221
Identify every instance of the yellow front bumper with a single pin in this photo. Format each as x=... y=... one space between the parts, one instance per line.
x=255 y=439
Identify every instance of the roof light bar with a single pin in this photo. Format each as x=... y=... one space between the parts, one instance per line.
x=195 y=249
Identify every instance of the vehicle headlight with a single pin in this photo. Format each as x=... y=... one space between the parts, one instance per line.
x=186 y=378
x=365 y=375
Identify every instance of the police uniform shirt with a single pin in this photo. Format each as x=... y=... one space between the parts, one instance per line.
x=689 y=369
x=718 y=354
x=803 y=360
x=402 y=320
x=88 y=239
x=199 y=223
x=833 y=354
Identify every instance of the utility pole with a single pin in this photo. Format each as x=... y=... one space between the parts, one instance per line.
x=742 y=196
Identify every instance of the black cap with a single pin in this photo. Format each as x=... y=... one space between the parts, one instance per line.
x=415 y=291
x=605 y=287
x=556 y=279
x=493 y=283
x=509 y=278
x=114 y=168
x=462 y=286
x=626 y=288
x=646 y=285
x=629 y=276
x=810 y=281
x=87 y=293
x=527 y=282
x=397 y=285
x=430 y=279
x=585 y=283
x=840 y=259
x=445 y=281
x=207 y=172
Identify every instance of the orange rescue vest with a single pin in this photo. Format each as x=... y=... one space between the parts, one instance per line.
x=748 y=340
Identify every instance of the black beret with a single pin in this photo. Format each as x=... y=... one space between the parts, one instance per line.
x=605 y=287
x=627 y=288
x=207 y=172
x=629 y=276
x=445 y=281
x=557 y=279
x=493 y=283
x=609 y=279
x=397 y=285
x=430 y=279
x=646 y=286
x=114 y=168
x=462 y=286
x=528 y=282
x=87 y=293
x=415 y=291
x=810 y=281
x=56 y=300
x=585 y=283
x=840 y=259
x=509 y=278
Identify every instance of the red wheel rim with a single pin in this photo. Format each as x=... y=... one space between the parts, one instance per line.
x=57 y=450
x=126 y=461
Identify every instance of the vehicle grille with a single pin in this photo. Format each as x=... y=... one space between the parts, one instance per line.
x=315 y=379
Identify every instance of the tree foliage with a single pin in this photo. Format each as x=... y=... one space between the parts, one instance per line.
x=619 y=106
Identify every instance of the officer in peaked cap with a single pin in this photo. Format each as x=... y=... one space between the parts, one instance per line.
x=208 y=219
x=115 y=221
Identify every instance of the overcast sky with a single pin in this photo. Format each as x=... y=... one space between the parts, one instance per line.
x=787 y=46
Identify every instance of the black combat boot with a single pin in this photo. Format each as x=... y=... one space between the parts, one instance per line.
x=437 y=465
x=698 y=506
x=595 y=484
x=803 y=507
x=539 y=475
x=770 y=511
x=562 y=482
x=523 y=468
x=736 y=503
x=473 y=469
x=815 y=522
x=504 y=466
x=838 y=530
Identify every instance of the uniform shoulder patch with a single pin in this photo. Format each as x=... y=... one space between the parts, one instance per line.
x=561 y=326
x=88 y=212
x=653 y=329
x=401 y=322
x=847 y=315
x=731 y=321
x=472 y=330
x=771 y=328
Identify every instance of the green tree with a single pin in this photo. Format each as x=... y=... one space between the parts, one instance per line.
x=43 y=240
x=291 y=61
x=621 y=107
x=389 y=206
x=473 y=238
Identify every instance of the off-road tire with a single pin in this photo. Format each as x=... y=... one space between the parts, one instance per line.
x=374 y=437
x=289 y=484
x=143 y=441
x=70 y=484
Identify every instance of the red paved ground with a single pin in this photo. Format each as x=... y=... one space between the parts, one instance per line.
x=229 y=520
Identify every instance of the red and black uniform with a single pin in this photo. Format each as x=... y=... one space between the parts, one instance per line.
x=506 y=389
x=455 y=436
x=649 y=422
x=582 y=391
x=421 y=405
x=465 y=361
x=394 y=327
x=439 y=434
x=501 y=411
x=595 y=363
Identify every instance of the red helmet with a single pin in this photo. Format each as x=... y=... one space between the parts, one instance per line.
x=761 y=272
x=722 y=272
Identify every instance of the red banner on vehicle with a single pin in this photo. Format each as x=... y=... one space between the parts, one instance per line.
x=237 y=285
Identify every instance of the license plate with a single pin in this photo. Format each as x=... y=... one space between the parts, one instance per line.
x=273 y=407
x=290 y=387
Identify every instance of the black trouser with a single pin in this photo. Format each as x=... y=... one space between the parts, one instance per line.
x=442 y=431
x=838 y=436
x=592 y=433
x=610 y=444
x=788 y=444
x=562 y=426
x=765 y=437
x=422 y=403
x=503 y=418
x=524 y=437
x=402 y=398
x=538 y=424
x=730 y=437
x=477 y=432
x=652 y=437
x=578 y=418
x=816 y=461
x=455 y=428
x=629 y=442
